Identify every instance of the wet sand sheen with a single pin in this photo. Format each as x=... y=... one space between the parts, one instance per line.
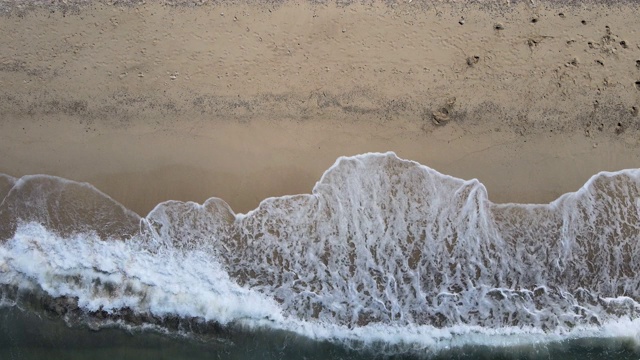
x=142 y=171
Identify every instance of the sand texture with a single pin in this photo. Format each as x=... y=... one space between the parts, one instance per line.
x=246 y=100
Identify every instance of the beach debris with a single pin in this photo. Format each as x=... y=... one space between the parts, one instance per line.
x=174 y=75
x=472 y=60
x=442 y=116
x=574 y=62
x=535 y=40
x=461 y=21
x=498 y=26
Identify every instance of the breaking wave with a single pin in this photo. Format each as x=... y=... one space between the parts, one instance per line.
x=383 y=250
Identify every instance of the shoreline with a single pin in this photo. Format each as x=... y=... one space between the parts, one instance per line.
x=545 y=181
x=243 y=102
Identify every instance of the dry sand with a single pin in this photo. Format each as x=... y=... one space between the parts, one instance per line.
x=245 y=100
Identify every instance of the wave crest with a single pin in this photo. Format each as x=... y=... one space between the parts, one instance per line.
x=380 y=241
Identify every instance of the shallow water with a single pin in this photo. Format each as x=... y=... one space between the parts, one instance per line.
x=25 y=335
x=385 y=257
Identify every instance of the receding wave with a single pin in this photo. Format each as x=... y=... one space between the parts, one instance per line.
x=383 y=250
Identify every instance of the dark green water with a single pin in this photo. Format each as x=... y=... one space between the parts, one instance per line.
x=27 y=335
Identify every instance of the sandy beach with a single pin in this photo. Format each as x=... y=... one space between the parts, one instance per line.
x=247 y=100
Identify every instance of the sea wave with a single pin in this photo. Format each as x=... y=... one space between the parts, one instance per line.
x=383 y=250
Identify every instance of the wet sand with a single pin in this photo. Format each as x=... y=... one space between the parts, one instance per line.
x=243 y=101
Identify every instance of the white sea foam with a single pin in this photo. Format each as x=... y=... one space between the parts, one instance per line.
x=111 y=275
x=384 y=250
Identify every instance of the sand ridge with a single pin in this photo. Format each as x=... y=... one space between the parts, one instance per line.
x=243 y=101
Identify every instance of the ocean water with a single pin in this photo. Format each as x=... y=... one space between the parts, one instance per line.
x=386 y=258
